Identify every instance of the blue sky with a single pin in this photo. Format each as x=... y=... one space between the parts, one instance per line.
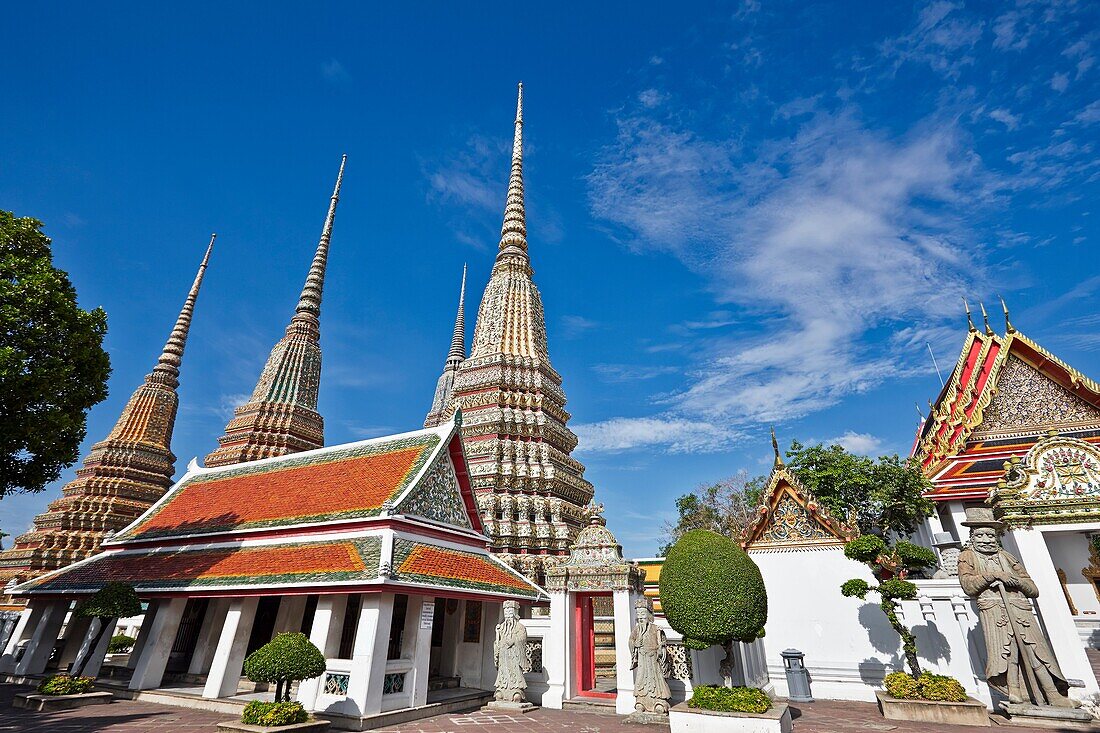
x=739 y=216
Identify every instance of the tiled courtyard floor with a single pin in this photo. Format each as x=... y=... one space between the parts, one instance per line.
x=124 y=716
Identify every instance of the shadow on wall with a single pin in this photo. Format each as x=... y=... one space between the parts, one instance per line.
x=932 y=645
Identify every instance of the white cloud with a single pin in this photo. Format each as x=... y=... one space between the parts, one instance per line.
x=652 y=98
x=227 y=403
x=632 y=372
x=863 y=444
x=1006 y=118
x=827 y=236
x=1059 y=82
x=334 y=72
x=942 y=39
x=672 y=434
x=574 y=326
x=1089 y=114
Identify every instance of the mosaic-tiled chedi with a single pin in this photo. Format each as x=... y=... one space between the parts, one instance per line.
x=281 y=415
x=121 y=477
x=531 y=492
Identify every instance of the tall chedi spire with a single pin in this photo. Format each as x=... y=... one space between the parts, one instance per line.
x=443 y=401
x=122 y=476
x=531 y=492
x=281 y=415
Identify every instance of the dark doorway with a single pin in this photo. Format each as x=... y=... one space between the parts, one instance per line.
x=264 y=624
x=179 y=659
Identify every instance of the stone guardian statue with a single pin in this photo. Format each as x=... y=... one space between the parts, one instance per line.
x=510 y=656
x=649 y=660
x=1019 y=664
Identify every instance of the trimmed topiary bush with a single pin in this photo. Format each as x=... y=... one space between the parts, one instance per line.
x=927 y=686
x=712 y=593
x=287 y=658
x=274 y=713
x=730 y=699
x=63 y=684
x=120 y=643
x=113 y=601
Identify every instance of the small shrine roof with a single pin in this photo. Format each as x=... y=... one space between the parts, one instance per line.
x=791 y=517
x=345 y=482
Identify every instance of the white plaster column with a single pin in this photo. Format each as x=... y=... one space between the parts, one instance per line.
x=557 y=649
x=368 y=657
x=1061 y=630
x=209 y=635
x=149 y=668
x=422 y=608
x=24 y=628
x=95 y=656
x=75 y=631
x=623 y=605
x=492 y=614
x=320 y=634
x=289 y=617
x=43 y=639
x=143 y=633
x=225 y=668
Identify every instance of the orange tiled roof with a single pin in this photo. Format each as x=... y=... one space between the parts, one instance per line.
x=343 y=483
x=421 y=562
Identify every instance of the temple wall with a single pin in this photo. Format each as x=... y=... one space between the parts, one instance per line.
x=1070 y=553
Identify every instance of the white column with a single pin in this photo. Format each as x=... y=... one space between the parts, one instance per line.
x=225 y=669
x=557 y=649
x=149 y=669
x=208 y=636
x=24 y=628
x=143 y=633
x=42 y=641
x=423 y=610
x=492 y=613
x=1061 y=630
x=75 y=631
x=319 y=634
x=289 y=617
x=368 y=658
x=623 y=603
x=95 y=656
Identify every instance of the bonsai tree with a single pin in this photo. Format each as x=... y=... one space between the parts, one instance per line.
x=114 y=600
x=890 y=566
x=712 y=593
x=287 y=658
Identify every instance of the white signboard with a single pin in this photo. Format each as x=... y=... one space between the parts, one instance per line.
x=427 y=614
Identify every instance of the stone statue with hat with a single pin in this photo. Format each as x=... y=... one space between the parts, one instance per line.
x=510 y=657
x=1019 y=664
x=649 y=660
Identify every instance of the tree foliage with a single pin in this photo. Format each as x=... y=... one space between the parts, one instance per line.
x=52 y=364
x=725 y=507
x=287 y=658
x=712 y=591
x=882 y=496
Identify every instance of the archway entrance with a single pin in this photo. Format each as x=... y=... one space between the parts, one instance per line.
x=595 y=654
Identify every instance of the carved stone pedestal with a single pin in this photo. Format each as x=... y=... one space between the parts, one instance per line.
x=642 y=718
x=1046 y=716
x=501 y=706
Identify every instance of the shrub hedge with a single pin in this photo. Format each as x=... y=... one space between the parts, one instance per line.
x=730 y=699
x=120 y=643
x=712 y=591
x=926 y=687
x=286 y=658
x=63 y=684
x=274 y=713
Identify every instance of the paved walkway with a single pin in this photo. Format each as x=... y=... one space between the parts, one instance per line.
x=125 y=716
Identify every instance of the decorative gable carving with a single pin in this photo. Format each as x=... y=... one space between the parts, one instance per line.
x=1057 y=481
x=791 y=517
x=437 y=496
x=1028 y=398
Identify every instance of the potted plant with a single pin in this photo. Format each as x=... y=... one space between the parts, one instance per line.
x=713 y=594
x=286 y=659
x=916 y=694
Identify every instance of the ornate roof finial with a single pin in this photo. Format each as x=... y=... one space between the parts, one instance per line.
x=1009 y=328
x=969 y=320
x=775 y=447
x=309 y=303
x=513 y=233
x=985 y=317
x=458 y=340
x=168 y=365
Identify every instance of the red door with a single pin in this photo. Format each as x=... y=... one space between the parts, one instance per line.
x=585 y=652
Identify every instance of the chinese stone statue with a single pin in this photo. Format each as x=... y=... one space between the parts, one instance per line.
x=649 y=659
x=510 y=656
x=1020 y=663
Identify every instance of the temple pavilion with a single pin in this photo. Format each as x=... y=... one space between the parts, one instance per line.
x=1018 y=428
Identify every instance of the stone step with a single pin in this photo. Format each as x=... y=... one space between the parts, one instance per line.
x=444 y=683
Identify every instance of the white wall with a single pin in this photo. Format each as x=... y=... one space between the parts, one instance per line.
x=1070 y=553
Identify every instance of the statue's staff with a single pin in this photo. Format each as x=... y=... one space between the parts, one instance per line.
x=1025 y=657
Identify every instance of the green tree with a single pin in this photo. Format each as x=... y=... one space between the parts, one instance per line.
x=725 y=507
x=712 y=593
x=890 y=566
x=287 y=658
x=113 y=601
x=52 y=364
x=883 y=497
